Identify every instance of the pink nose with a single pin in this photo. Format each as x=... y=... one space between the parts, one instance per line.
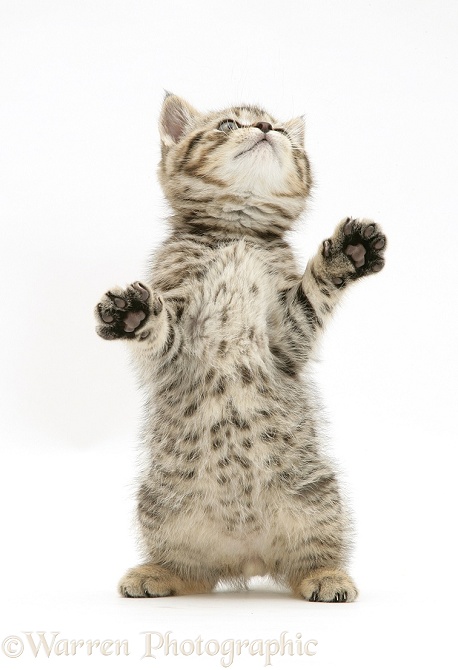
x=265 y=127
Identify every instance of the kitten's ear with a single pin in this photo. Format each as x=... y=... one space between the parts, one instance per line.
x=296 y=130
x=176 y=115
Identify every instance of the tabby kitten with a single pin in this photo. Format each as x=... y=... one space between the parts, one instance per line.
x=235 y=484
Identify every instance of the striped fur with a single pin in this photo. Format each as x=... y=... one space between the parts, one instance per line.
x=235 y=481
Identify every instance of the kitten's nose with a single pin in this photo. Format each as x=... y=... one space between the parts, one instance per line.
x=265 y=127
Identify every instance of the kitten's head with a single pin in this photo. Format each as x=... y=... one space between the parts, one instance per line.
x=233 y=169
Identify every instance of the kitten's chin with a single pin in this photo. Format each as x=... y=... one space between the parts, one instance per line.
x=260 y=170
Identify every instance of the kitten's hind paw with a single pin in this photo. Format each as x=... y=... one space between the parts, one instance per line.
x=142 y=582
x=154 y=581
x=329 y=586
x=123 y=312
x=355 y=250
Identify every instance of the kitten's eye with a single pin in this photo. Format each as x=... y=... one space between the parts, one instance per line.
x=228 y=124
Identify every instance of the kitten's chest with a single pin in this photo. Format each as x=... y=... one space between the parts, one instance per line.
x=231 y=318
x=233 y=305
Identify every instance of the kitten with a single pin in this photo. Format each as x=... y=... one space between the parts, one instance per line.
x=235 y=483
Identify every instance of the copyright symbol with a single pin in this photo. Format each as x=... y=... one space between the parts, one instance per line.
x=12 y=646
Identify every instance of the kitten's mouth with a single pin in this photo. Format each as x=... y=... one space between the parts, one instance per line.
x=253 y=146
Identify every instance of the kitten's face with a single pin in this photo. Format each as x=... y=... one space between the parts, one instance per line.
x=235 y=161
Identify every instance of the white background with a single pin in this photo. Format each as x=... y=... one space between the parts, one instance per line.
x=81 y=84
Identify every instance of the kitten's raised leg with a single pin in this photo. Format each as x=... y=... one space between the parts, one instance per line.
x=136 y=314
x=154 y=581
x=124 y=313
x=355 y=250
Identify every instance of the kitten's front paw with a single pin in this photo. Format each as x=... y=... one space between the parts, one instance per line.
x=123 y=312
x=356 y=249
